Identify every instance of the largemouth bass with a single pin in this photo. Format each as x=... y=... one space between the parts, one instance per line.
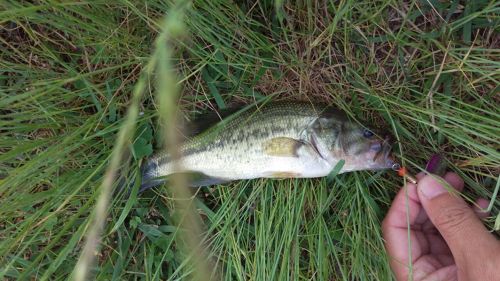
x=277 y=140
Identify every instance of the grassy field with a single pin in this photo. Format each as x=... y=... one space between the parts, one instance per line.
x=81 y=79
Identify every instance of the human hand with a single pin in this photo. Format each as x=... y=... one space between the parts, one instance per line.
x=447 y=240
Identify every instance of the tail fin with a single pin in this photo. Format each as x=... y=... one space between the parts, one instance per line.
x=139 y=180
x=126 y=184
x=149 y=176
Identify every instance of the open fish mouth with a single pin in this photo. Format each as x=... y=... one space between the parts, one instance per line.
x=385 y=158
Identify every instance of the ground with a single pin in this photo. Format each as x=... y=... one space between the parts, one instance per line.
x=425 y=71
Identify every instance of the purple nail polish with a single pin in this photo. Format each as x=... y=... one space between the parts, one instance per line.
x=436 y=165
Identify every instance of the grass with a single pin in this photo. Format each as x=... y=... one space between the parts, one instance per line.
x=426 y=71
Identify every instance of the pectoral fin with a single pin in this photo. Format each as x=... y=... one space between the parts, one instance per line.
x=282 y=146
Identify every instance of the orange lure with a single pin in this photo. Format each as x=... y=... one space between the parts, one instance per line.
x=404 y=173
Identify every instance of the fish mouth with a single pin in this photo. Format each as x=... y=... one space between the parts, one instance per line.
x=384 y=157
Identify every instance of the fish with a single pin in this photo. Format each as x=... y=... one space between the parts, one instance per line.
x=274 y=140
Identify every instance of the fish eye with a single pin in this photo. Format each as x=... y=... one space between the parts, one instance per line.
x=367 y=133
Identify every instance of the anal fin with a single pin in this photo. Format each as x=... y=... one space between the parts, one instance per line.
x=284 y=175
x=197 y=179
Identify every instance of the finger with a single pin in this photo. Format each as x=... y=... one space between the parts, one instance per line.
x=406 y=200
x=455 y=181
x=445 y=259
x=447 y=273
x=480 y=208
x=462 y=230
x=397 y=247
x=438 y=245
x=395 y=232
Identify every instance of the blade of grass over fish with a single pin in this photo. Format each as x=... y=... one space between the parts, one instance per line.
x=335 y=171
x=167 y=94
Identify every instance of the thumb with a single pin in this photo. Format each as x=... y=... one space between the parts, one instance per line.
x=454 y=219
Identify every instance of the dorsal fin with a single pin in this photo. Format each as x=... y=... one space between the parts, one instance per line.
x=204 y=121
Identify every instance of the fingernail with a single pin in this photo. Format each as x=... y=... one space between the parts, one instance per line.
x=430 y=188
x=433 y=163
x=436 y=165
